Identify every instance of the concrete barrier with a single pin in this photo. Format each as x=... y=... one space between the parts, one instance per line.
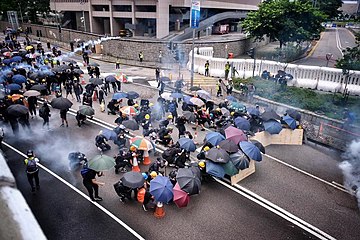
x=285 y=137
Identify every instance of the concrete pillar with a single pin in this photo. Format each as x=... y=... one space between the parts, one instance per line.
x=133 y=19
x=91 y=22
x=162 y=18
x=111 y=18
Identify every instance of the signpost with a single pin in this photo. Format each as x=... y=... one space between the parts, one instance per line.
x=194 y=23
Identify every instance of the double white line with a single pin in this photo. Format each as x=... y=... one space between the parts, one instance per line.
x=338 y=42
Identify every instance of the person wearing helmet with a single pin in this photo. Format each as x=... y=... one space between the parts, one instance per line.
x=153 y=175
x=157 y=165
x=173 y=110
x=32 y=170
x=180 y=124
x=165 y=136
x=165 y=122
x=201 y=164
x=146 y=124
x=122 y=162
x=202 y=153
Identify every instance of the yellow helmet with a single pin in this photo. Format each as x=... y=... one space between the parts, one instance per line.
x=147 y=116
x=202 y=164
x=132 y=148
x=207 y=148
x=151 y=104
x=153 y=174
x=136 y=105
x=170 y=116
x=232 y=113
x=218 y=109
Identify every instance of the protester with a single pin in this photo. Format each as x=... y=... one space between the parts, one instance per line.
x=44 y=113
x=91 y=183
x=63 y=116
x=218 y=88
x=207 y=68
x=32 y=170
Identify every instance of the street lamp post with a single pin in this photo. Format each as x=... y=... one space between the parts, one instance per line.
x=192 y=59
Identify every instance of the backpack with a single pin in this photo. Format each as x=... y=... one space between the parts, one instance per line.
x=31 y=165
x=42 y=111
x=84 y=171
x=141 y=195
x=172 y=107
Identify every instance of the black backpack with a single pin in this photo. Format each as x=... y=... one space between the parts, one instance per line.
x=31 y=165
x=42 y=111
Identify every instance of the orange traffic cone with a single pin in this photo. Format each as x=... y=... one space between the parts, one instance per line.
x=83 y=81
x=95 y=97
x=146 y=160
x=159 y=210
x=135 y=167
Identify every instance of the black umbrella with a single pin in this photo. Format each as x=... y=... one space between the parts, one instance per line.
x=259 y=146
x=96 y=81
x=133 y=179
x=61 y=103
x=294 y=114
x=188 y=181
x=131 y=124
x=78 y=71
x=228 y=146
x=269 y=114
x=38 y=87
x=94 y=64
x=17 y=110
x=110 y=78
x=89 y=87
x=132 y=95
x=217 y=155
x=86 y=110
x=68 y=60
x=57 y=69
x=195 y=88
x=190 y=116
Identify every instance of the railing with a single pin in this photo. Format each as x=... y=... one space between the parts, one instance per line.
x=312 y=77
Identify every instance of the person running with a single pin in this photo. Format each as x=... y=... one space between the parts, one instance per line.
x=32 y=170
x=32 y=101
x=91 y=183
x=63 y=113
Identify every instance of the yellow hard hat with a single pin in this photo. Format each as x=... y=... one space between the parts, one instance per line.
x=207 y=148
x=147 y=116
x=232 y=113
x=202 y=164
x=218 y=109
x=153 y=174
x=136 y=105
x=132 y=148
x=170 y=116
x=151 y=104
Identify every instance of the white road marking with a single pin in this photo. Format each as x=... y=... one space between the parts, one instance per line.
x=338 y=42
x=138 y=236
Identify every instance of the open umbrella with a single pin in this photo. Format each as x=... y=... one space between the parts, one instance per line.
x=86 y=110
x=214 y=138
x=176 y=95
x=187 y=144
x=238 y=107
x=61 y=103
x=94 y=64
x=190 y=116
x=162 y=189
x=196 y=101
x=31 y=93
x=96 y=81
x=259 y=145
x=64 y=67
x=110 y=78
x=195 y=88
x=129 y=110
x=19 y=79
x=203 y=94
x=289 y=121
x=133 y=179
x=13 y=87
x=109 y=134
x=78 y=71
x=38 y=87
x=252 y=151
x=228 y=146
x=166 y=96
x=231 y=98
x=16 y=59
x=188 y=181
x=269 y=114
x=132 y=95
x=240 y=160
x=181 y=198
x=230 y=168
x=119 y=95
x=131 y=124
x=234 y=134
x=141 y=143
x=217 y=155
x=242 y=123
x=17 y=110
x=272 y=126
x=101 y=163
x=294 y=114
x=215 y=169
x=225 y=112
x=6 y=61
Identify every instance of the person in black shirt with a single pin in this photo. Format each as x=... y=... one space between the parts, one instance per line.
x=92 y=185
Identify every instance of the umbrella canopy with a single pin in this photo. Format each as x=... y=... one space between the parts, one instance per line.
x=38 y=87
x=162 y=189
x=176 y=95
x=64 y=67
x=252 y=151
x=225 y=111
x=217 y=155
x=31 y=93
x=188 y=181
x=294 y=114
x=94 y=64
x=96 y=81
x=61 y=103
x=228 y=146
x=13 y=87
x=166 y=96
x=17 y=110
x=230 y=168
x=259 y=145
x=272 y=126
x=29 y=47
x=238 y=107
x=109 y=134
x=196 y=101
x=290 y=121
x=203 y=94
x=101 y=163
x=214 y=138
x=78 y=71
x=141 y=143
x=18 y=78
x=240 y=160
x=131 y=124
x=129 y=110
x=269 y=114
x=234 y=134
x=187 y=144
x=215 y=169
x=16 y=59
x=181 y=198
x=132 y=95
x=231 y=99
x=86 y=110
x=190 y=116
x=119 y=95
x=195 y=88
x=110 y=78
x=242 y=123
x=133 y=179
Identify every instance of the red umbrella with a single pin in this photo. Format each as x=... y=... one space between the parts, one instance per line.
x=181 y=198
x=234 y=134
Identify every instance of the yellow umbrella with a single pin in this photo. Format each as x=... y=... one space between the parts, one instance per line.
x=29 y=47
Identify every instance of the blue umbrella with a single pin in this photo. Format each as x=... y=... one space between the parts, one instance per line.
x=214 y=138
x=16 y=59
x=272 y=126
x=7 y=61
x=231 y=99
x=45 y=68
x=252 y=151
x=290 y=122
x=240 y=160
x=119 y=95
x=187 y=144
x=162 y=189
x=110 y=78
x=242 y=123
x=254 y=111
x=215 y=169
x=19 y=79
x=13 y=87
x=176 y=95
x=109 y=134
x=132 y=95
x=187 y=99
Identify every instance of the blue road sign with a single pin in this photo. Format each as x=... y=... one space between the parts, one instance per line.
x=195 y=14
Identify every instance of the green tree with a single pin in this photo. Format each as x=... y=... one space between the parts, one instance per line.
x=328 y=7
x=351 y=58
x=284 y=21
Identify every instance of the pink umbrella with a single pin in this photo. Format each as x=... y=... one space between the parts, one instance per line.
x=181 y=198
x=234 y=134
